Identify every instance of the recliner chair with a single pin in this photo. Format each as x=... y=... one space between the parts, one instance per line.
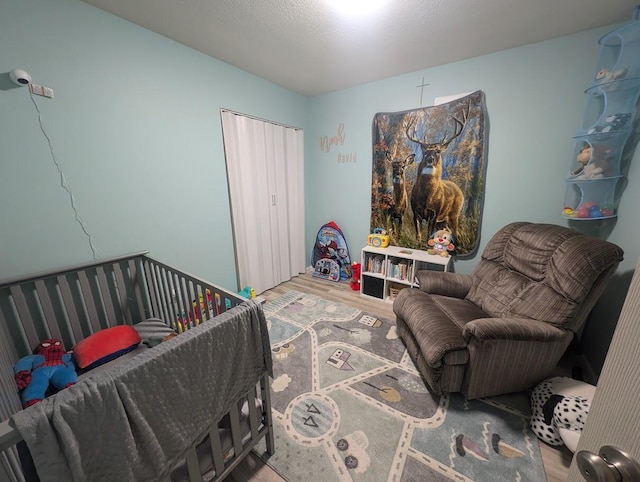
x=504 y=327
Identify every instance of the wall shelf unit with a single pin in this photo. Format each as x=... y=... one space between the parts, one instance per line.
x=385 y=271
x=606 y=125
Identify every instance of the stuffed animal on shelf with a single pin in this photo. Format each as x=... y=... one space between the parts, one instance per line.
x=441 y=243
x=591 y=171
x=605 y=75
x=593 y=162
x=50 y=365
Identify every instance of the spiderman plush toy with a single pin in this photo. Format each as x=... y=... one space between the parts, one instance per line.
x=49 y=364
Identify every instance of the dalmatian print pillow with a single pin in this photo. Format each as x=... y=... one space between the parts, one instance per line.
x=550 y=411
x=571 y=413
x=543 y=426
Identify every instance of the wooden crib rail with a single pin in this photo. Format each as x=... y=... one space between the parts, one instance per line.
x=183 y=300
x=72 y=303
x=75 y=302
x=222 y=458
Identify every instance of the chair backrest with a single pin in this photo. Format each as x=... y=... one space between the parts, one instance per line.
x=543 y=272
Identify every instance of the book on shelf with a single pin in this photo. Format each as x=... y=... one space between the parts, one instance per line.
x=375 y=264
x=399 y=270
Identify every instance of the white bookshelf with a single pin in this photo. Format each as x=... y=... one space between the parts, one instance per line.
x=385 y=270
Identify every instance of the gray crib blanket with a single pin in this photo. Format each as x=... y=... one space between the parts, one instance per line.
x=134 y=421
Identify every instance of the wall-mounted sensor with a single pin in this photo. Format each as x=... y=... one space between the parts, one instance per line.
x=19 y=77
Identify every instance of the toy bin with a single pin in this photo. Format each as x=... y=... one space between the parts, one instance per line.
x=373 y=286
x=590 y=199
x=394 y=290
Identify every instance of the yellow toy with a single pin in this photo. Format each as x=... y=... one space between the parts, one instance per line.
x=379 y=238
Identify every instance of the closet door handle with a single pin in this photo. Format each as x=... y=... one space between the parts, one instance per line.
x=273 y=199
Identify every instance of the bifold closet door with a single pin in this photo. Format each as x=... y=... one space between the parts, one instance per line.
x=265 y=172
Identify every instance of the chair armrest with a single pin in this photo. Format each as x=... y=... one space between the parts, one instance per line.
x=445 y=283
x=512 y=329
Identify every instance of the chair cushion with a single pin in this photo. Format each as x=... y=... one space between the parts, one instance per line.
x=501 y=292
x=436 y=323
x=540 y=271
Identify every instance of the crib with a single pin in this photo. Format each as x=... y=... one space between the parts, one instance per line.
x=72 y=303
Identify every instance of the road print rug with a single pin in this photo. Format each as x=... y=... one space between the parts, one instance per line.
x=349 y=405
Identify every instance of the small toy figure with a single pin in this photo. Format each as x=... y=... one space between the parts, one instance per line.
x=50 y=364
x=605 y=75
x=441 y=242
x=248 y=292
x=356 y=269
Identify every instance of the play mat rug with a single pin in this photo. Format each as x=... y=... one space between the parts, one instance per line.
x=348 y=404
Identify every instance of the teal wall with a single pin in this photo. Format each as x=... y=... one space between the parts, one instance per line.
x=535 y=101
x=135 y=125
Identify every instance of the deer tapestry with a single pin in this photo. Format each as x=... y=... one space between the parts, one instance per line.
x=429 y=168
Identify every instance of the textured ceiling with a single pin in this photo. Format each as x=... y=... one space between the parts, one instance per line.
x=308 y=47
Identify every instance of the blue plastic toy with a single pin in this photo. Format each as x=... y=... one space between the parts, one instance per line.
x=248 y=292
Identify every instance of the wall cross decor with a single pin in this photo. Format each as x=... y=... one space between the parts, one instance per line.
x=421 y=87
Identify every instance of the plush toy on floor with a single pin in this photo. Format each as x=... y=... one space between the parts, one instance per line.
x=559 y=409
x=50 y=364
x=441 y=242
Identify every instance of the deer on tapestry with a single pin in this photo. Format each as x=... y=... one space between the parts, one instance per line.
x=434 y=200
x=399 y=181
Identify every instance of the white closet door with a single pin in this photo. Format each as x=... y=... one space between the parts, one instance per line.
x=274 y=146
x=260 y=189
x=294 y=173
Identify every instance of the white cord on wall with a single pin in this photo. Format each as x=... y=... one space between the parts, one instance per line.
x=63 y=181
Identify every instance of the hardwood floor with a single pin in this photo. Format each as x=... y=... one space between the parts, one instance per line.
x=556 y=460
